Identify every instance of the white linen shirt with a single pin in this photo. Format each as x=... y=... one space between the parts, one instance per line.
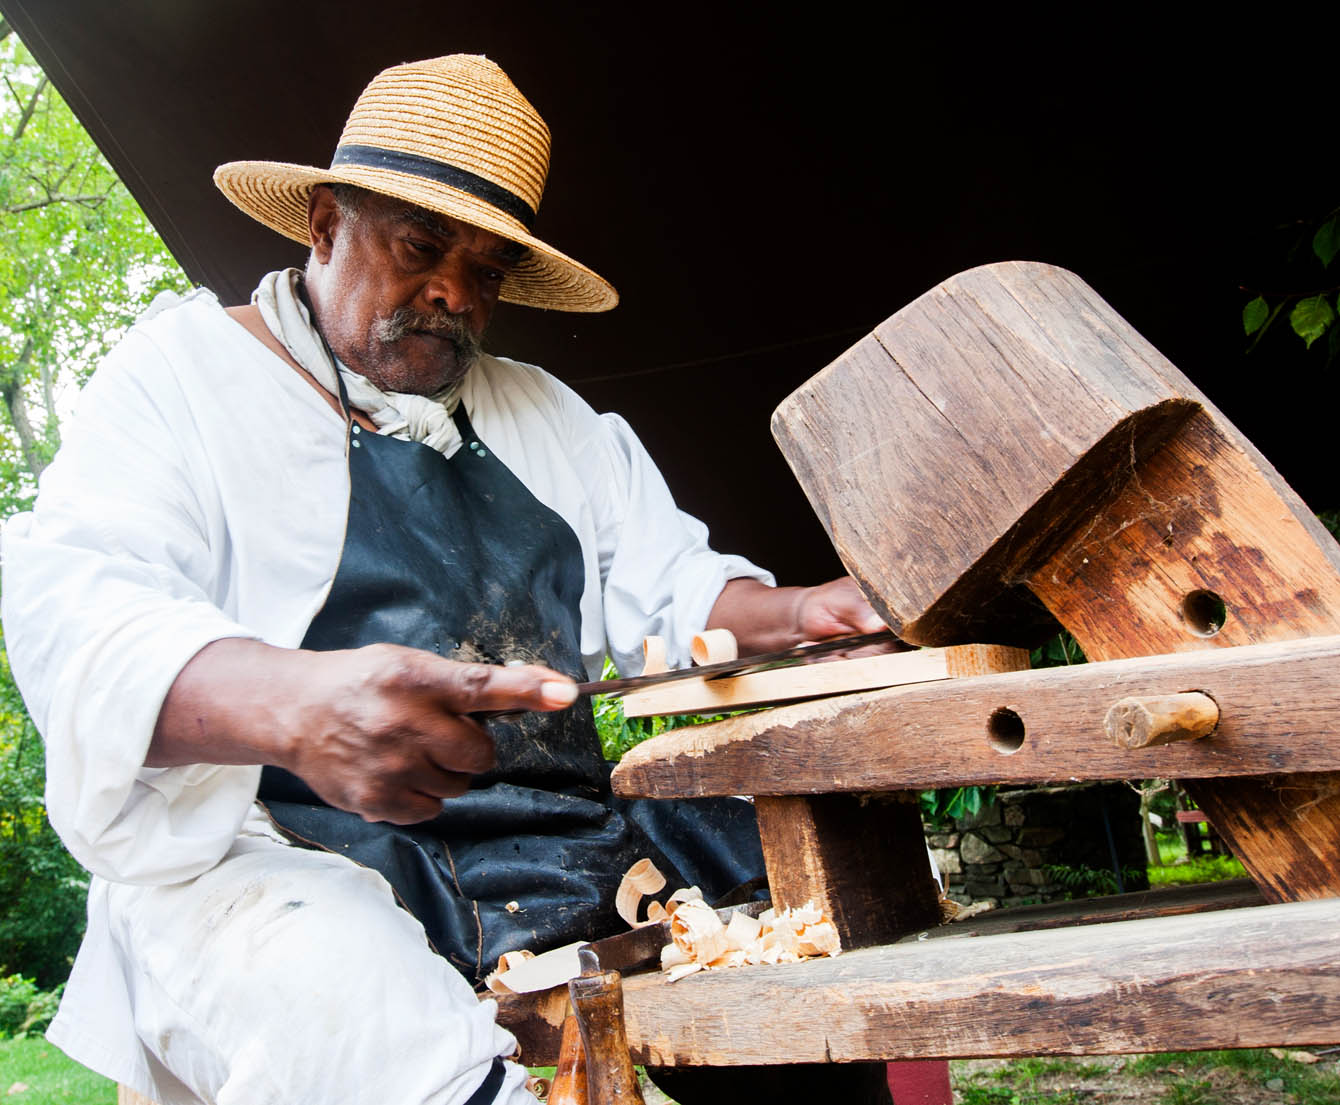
x=201 y=492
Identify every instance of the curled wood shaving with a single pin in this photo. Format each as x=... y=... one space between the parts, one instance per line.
x=639 y=880
x=506 y=962
x=699 y=940
x=714 y=646
x=653 y=656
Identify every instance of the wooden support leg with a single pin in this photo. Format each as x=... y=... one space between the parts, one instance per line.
x=860 y=858
x=1199 y=550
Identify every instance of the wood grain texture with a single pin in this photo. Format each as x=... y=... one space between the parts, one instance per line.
x=1203 y=523
x=1258 y=977
x=861 y=859
x=1278 y=709
x=126 y=1096
x=710 y=696
x=532 y=1016
x=1018 y=396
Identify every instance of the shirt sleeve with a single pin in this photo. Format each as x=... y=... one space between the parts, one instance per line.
x=659 y=574
x=111 y=584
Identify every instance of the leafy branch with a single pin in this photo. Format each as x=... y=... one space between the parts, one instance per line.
x=1313 y=311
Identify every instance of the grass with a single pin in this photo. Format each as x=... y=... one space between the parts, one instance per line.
x=50 y=1078
x=1270 y=1074
x=1173 y=1078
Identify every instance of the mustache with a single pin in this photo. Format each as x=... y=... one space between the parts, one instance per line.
x=406 y=320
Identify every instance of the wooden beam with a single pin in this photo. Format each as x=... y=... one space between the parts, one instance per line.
x=799 y=681
x=1278 y=707
x=1260 y=977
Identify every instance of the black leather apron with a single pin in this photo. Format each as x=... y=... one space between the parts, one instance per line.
x=456 y=556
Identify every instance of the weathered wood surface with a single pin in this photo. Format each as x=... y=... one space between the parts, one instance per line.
x=1201 y=551
x=1144 y=721
x=126 y=1096
x=953 y=449
x=798 y=681
x=1239 y=978
x=1278 y=703
x=1166 y=901
x=859 y=858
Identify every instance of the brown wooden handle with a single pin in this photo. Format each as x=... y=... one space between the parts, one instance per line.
x=1161 y=719
x=569 y=1085
x=598 y=1002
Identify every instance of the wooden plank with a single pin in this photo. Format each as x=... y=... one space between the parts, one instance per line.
x=1167 y=901
x=711 y=696
x=537 y=1019
x=860 y=858
x=1278 y=706
x=1262 y=977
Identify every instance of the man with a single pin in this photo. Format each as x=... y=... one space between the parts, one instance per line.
x=274 y=545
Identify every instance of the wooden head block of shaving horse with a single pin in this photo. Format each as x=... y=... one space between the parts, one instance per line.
x=1008 y=443
x=956 y=448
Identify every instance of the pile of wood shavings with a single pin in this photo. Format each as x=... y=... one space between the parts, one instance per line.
x=700 y=941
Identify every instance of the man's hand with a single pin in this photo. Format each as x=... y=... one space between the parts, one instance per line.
x=769 y=619
x=380 y=731
x=835 y=609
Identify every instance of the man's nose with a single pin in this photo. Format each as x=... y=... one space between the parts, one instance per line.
x=450 y=289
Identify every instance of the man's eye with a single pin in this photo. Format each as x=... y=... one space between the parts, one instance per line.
x=423 y=248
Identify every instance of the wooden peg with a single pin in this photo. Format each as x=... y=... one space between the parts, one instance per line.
x=1161 y=719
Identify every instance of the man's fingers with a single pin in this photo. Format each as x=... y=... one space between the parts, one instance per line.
x=479 y=688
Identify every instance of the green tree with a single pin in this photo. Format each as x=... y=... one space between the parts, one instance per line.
x=78 y=262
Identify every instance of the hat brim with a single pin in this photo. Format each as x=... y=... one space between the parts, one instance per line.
x=276 y=194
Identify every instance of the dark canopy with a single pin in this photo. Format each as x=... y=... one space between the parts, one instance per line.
x=762 y=188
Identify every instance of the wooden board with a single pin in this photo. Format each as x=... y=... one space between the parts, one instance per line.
x=1279 y=705
x=1259 y=977
x=799 y=681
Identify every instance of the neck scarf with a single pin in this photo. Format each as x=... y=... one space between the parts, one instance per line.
x=426 y=419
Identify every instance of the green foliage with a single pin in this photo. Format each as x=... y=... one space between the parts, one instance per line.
x=1311 y=305
x=78 y=262
x=1089 y=882
x=939 y=807
x=42 y=888
x=618 y=733
x=16 y=994
x=1057 y=652
x=51 y=1078
x=1197 y=869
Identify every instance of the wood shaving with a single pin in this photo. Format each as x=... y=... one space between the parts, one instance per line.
x=653 y=656
x=714 y=646
x=700 y=941
x=513 y=907
x=638 y=881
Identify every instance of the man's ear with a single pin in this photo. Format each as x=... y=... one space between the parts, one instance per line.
x=323 y=214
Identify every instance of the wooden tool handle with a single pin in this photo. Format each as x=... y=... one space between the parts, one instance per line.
x=569 y=1085
x=597 y=1000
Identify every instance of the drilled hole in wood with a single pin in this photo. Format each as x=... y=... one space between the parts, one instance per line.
x=1204 y=613
x=1005 y=730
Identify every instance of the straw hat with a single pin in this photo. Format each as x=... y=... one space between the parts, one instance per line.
x=455 y=136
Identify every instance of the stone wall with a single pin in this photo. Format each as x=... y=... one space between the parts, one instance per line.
x=1001 y=854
